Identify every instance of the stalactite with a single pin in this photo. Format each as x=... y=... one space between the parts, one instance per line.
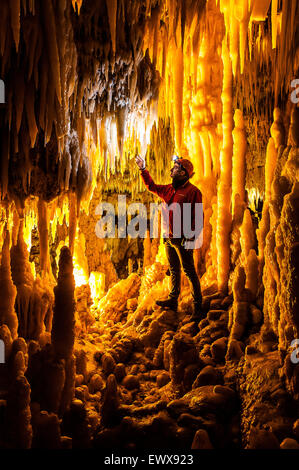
x=72 y=221
x=19 y=103
x=224 y=193
x=260 y=9
x=274 y=22
x=239 y=158
x=15 y=11
x=242 y=13
x=178 y=96
x=112 y=13
x=77 y=3
x=51 y=39
x=29 y=103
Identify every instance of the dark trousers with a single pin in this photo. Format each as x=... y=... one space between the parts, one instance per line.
x=178 y=256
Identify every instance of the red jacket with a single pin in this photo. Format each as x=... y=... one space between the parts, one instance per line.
x=187 y=193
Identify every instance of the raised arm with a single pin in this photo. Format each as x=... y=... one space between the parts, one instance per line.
x=159 y=189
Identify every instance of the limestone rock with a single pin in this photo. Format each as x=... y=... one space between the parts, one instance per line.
x=201 y=440
x=289 y=443
x=218 y=349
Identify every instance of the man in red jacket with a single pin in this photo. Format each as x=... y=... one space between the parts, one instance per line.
x=180 y=191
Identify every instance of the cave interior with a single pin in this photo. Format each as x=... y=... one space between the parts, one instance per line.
x=87 y=359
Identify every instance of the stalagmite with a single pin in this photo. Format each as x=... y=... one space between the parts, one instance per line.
x=293 y=137
x=34 y=297
x=252 y=273
x=43 y=228
x=247 y=234
x=111 y=402
x=271 y=158
x=8 y=290
x=277 y=139
x=121 y=118
x=277 y=129
x=63 y=333
x=18 y=425
x=63 y=320
x=147 y=250
x=4 y=163
x=23 y=280
x=234 y=43
x=238 y=315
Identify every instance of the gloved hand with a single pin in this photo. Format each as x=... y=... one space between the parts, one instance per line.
x=140 y=162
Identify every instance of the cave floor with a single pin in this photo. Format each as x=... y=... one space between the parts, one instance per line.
x=161 y=383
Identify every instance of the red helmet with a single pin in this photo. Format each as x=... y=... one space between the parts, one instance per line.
x=186 y=165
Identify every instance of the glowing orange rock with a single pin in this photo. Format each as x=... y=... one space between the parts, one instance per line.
x=224 y=191
x=7 y=312
x=239 y=157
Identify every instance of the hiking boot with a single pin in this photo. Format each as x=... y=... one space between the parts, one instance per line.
x=168 y=303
